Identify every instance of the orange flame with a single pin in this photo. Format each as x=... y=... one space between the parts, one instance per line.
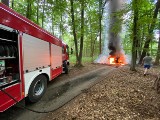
x=111 y=60
x=118 y=60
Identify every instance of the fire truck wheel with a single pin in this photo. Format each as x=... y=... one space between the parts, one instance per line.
x=37 y=89
x=65 y=68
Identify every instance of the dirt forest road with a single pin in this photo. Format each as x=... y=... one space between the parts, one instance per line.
x=120 y=95
x=60 y=91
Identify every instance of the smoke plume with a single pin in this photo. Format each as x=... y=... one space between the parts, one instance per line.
x=114 y=38
x=112 y=29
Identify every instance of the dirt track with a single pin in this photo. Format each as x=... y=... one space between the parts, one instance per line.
x=121 y=95
x=60 y=91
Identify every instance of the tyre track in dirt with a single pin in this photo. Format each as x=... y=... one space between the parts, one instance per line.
x=58 y=94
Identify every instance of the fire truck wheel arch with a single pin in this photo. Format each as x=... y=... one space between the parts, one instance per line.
x=37 y=89
x=29 y=78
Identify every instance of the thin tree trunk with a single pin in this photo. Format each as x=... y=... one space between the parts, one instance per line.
x=38 y=12
x=135 y=39
x=43 y=13
x=28 y=14
x=52 y=24
x=74 y=29
x=61 y=28
x=91 y=55
x=100 y=26
x=150 y=32
x=6 y=2
x=53 y=19
x=82 y=34
x=12 y=4
x=91 y=37
x=158 y=52
x=140 y=43
x=94 y=43
x=93 y=47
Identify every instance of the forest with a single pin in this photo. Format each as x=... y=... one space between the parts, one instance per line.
x=105 y=77
x=85 y=24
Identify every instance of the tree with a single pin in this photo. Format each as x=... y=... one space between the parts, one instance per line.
x=79 y=62
x=12 y=4
x=28 y=13
x=57 y=14
x=44 y=3
x=135 y=39
x=78 y=31
x=158 y=52
x=74 y=29
x=150 y=31
x=100 y=26
x=37 y=21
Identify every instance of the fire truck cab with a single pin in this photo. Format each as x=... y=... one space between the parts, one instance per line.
x=29 y=57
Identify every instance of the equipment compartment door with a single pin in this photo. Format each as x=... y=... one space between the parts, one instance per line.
x=56 y=60
x=10 y=78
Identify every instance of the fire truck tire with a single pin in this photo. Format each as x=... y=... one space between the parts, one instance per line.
x=65 y=68
x=37 y=89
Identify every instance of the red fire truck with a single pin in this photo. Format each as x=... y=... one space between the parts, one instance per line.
x=29 y=57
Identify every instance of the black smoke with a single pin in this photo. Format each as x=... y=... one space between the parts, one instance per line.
x=114 y=38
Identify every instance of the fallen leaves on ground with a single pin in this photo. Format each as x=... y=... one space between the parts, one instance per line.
x=121 y=95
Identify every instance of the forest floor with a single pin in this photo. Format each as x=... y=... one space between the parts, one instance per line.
x=122 y=94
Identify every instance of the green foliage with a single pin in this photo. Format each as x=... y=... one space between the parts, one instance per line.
x=20 y=6
x=57 y=20
x=72 y=59
x=145 y=18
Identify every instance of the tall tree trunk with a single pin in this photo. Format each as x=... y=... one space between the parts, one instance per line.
x=150 y=32
x=158 y=52
x=140 y=43
x=61 y=28
x=28 y=14
x=52 y=24
x=12 y=4
x=82 y=34
x=44 y=2
x=38 y=12
x=91 y=37
x=6 y=2
x=92 y=43
x=135 y=39
x=74 y=29
x=52 y=18
x=93 y=46
x=100 y=26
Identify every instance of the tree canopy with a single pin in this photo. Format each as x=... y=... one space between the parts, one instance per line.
x=80 y=23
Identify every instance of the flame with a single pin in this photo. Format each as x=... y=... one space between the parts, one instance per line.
x=111 y=60
x=118 y=60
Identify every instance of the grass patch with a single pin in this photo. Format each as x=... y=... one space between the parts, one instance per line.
x=72 y=59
